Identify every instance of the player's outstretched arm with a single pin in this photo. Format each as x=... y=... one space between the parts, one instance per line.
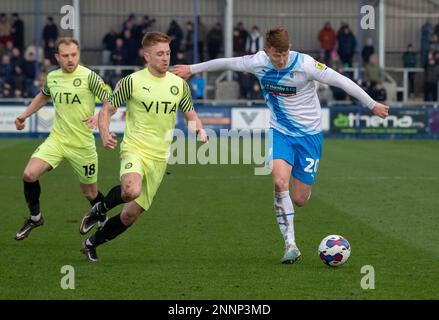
x=234 y=64
x=108 y=139
x=195 y=124
x=321 y=73
x=37 y=103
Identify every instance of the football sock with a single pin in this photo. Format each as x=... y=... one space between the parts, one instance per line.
x=98 y=198
x=284 y=209
x=32 y=192
x=112 y=228
x=112 y=199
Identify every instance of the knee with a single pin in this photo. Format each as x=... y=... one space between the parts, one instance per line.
x=281 y=183
x=128 y=218
x=29 y=176
x=300 y=199
x=129 y=193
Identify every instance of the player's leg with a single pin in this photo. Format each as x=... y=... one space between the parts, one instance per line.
x=308 y=152
x=84 y=162
x=112 y=228
x=300 y=192
x=45 y=157
x=142 y=190
x=131 y=173
x=283 y=159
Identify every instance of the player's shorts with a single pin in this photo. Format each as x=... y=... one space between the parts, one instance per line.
x=303 y=153
x=151 y=171
x=84 y=161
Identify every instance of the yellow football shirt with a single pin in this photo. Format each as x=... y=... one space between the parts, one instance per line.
x=151 y=111
x=73 y=96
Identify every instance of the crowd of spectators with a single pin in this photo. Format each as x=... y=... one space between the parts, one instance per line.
x=122 y=46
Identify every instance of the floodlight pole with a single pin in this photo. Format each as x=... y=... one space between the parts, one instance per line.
x=381 y=34
x=77 y=21
x=228 y=33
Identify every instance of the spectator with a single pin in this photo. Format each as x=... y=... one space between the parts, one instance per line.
x=255 y=41
x=109 y=44
x=373 y=73
x=368 y=50
x=6 y=70
x=189 y=42
x=180 y=58
x=17 y=31
x=378 y=93
x=6 y=91
x=256 y=93
x=409 y=61
x=337 y=93
x=198 y=85
x=130 y=46
x=434 y=44
x=47 y=66
x=246 y=81
x=176 y=34
x=346 y=46
x=327 y=38
x=140 y=60
x=202 y=34
x=50 y=31
x=239 y=39
x=426 y=35
x=214 y=41
x=9 y=48
x=119 y=56
x=49 y=52
x=20 y=82
x=17 y=59
x=431 y=80
x=5 y=30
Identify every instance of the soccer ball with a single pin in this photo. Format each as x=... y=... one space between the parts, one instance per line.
x=334 y=250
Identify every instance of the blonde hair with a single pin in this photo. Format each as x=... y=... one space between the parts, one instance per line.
x=152 y=38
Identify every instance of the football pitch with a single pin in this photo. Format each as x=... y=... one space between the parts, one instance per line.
x=212 y=234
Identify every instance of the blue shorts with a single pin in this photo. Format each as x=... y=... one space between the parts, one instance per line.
x=303 y=153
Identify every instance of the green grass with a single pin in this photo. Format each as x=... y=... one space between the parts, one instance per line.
x=211 y=232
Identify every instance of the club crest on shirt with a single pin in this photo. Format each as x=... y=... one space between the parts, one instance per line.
x=174 y=90
x=320 y=66
x=77 y=82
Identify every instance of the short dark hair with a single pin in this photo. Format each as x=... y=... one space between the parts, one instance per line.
x=152 y=38
x=65 y=40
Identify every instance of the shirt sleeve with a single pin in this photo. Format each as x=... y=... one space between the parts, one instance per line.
x=242 y=64
x=122 y=92
x=45 y=89
x=320 y=72
x=186 y=101
x=97 y=86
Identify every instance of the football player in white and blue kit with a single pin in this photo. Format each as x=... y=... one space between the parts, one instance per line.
x=287 y=82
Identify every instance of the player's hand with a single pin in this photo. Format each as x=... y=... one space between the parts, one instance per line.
x=182 y=70
x=109 y=141
x=92 y=121
x=202 y=136
x=20 y=122
x=381 y=110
